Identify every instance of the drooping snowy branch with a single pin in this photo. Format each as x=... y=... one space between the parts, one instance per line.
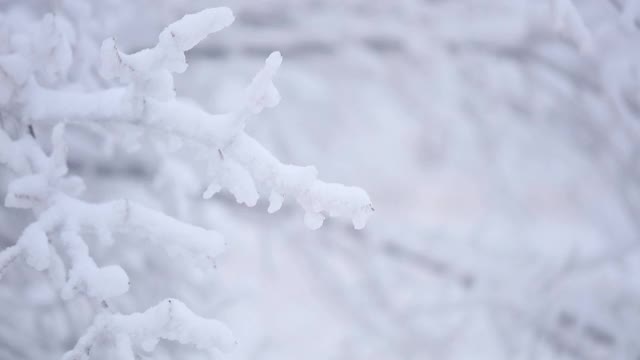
x=246 y=168
x=170 y=320
x=316 y=197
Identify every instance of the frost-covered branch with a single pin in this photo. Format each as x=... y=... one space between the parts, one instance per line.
x=41 y=189
x=170 y=320
x=68 y=218
x=246 y=169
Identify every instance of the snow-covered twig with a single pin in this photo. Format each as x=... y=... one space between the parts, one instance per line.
x=170 y=320
x=41 y=187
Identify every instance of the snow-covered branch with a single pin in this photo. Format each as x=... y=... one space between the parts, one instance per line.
x=40 y=94
x=170 y=320
x=149 y=70
x=246 y=168
x=42 y=188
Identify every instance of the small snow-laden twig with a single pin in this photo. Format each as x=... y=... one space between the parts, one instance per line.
x=149 y=70
x=43 y=187
x=169 y=320
x=69 y=217
x=316 y=197
x=168 y=54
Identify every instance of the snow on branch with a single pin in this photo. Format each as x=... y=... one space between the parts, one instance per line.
x=150 y=69
x=169 y=320
x=237 y=162
x=168 y=54
x=316 y=197
x=261 y=92
x=43 y=187
x=68 y=218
